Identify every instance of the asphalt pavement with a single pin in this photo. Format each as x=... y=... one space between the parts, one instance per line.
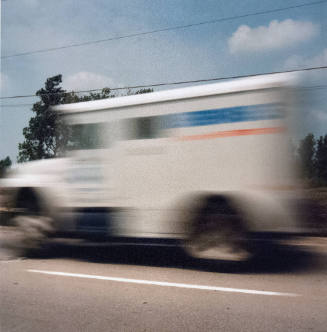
x=86 y=287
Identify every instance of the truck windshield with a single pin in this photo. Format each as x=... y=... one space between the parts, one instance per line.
x=86 y=136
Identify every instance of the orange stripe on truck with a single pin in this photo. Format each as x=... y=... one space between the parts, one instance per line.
x=238 y=132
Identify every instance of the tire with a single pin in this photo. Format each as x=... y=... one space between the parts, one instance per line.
x=32 y=231
x=217 y=233
x=30 y=226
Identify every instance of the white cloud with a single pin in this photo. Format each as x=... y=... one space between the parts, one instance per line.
x=276 y=35
x=321 y=115
x=85 y=80
x=296 y=61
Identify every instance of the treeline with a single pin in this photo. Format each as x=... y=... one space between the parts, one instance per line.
x=312 y=157
x=4 y=163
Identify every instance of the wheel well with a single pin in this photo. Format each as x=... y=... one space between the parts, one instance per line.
x=28 y=199
x=216 y=229
x=207 y=204
x=212 y=203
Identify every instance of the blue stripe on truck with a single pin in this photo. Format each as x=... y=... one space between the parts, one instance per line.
x=225 y=115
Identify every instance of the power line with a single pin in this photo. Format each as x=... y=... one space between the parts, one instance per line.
x=171 y=83
x=15 y=105
x=177 y=27
x=313 y=87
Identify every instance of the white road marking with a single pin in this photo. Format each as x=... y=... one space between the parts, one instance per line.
x=165 y=284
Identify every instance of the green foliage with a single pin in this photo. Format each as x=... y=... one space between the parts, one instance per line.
x=42 y=140
x=141 y=91
x=72 y=97
x=4 y=163
x=321 y=159
x=130 y=92
x=306 y=152
x=312 y=155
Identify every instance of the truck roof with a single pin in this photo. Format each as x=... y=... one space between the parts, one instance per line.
x=237 y=85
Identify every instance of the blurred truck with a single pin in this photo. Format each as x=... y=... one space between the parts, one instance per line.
x=208 y=167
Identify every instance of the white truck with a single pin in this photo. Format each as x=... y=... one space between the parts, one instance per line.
x=207 y=166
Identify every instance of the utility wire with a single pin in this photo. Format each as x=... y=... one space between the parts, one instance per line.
x=177 y=27
x=169 y=83
x=312 y=87
x=15 y=105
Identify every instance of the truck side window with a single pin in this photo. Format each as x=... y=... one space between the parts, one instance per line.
x=86 y=136
x=144 y=128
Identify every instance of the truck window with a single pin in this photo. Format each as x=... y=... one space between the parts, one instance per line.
x=86 y=136
x=144 y=128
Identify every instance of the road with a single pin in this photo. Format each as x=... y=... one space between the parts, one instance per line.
x=78 y=287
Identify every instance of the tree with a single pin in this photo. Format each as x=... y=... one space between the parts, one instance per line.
x=72 y=97
x=141 y=91
x=41 y=138
x=321 y=159
x=4 y=163
x=130 y=92
x=306 y=152
x=47 y=136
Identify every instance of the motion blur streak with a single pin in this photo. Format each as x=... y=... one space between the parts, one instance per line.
x=150 y=168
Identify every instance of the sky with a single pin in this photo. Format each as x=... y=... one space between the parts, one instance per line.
x=282 y=40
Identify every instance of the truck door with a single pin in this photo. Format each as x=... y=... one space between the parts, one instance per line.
x=89 y=176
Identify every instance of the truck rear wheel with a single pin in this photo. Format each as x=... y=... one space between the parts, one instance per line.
x=30 y=224
x=217 y=232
